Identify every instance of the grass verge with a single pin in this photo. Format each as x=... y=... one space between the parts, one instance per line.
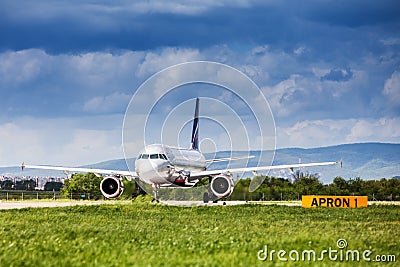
x=148 y=234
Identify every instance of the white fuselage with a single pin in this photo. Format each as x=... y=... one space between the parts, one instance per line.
x=158 y=164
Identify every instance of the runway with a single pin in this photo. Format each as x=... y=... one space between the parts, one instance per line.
x=7 y=205
x=230 y=203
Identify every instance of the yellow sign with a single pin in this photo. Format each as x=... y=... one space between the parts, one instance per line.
x=334 y=201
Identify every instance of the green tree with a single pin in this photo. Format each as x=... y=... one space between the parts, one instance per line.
x=7 y=185
x=339 y=187
x=53 y=186
x=369 y=188
x=355 y=185
x=388 y=189
x=27 y=185
x=87 y=184
x=308 y=184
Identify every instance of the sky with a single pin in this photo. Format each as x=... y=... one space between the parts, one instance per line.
x=330 y=70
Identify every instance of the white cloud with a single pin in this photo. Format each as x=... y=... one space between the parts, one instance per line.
x=17 y=141
x=320 y=72
x=252 y=70
x=174 y=7
x=61 y=141
x=21 y=66
x=300 y=50
x=382 y=130
x=391 y=90
x=282 y=96
x=332 y=132
x=103 y=82
x=306 y=96
x=391 y=41
x=116 y=102
x=313 y=133
x=34 y=82
x=94 y=145
x=98 y=71
x=154 y=62
x=79 y=141
x=259 y=50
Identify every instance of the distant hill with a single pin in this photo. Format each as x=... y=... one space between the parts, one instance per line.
x=365 y=160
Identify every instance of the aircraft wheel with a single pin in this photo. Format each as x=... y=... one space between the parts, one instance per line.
x=206 y=197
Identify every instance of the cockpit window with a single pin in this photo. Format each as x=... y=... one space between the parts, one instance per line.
x=152 y=156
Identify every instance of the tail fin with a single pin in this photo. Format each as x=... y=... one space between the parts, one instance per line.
x=195 y=131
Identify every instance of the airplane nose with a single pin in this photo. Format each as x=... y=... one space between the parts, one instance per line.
x=154 y=171
x=168 y=169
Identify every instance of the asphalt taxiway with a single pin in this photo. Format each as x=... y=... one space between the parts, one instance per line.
x=7 y=205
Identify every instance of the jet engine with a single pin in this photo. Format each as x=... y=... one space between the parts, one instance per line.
x=222 y=185
x=111 y=187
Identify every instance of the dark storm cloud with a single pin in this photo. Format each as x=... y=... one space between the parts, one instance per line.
x=354 y=14
x=338 y=75
x=333 y=47
x=81 y=27
x=137 y=31
x=329 y=68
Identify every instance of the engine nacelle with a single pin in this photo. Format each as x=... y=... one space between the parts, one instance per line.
x=111 y=187
x=222 y=186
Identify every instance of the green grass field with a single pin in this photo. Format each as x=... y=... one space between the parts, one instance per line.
x=146 y=234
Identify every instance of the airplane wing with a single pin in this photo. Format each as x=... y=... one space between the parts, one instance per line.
x=66 y=170
x=263 y=168
x=228 y=159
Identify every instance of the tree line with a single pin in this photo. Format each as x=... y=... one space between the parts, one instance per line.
x=271 y=188
x=282 y=189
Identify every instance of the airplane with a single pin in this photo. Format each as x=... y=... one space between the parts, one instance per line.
x=166 y=166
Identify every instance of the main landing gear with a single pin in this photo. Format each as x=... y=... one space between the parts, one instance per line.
x=208 y=196
x=155 y=192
